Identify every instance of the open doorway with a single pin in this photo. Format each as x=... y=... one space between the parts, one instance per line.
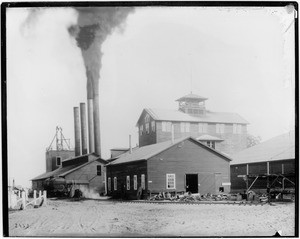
x=192 y=183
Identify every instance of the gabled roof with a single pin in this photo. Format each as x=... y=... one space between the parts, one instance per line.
x=277 y=148
x=193 y=97
x=209 y=117
x=207 y=137
x=56 y=172
x=146 y=152
x=63 y=171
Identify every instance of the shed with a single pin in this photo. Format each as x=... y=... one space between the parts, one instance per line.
x=184 y=165
x=85 y=170
x=274 y=156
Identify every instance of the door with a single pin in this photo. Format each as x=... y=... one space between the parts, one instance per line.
x=192 y=183
x=207 y=183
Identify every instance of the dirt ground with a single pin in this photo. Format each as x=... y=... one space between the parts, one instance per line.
x=121 y=219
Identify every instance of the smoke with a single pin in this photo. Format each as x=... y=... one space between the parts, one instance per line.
x=89 y=193
x=94 y=25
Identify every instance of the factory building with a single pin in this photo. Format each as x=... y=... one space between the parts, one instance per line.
x=272 y=157
x=84 y=172
x=226 y=132
x=69 y=169
x=181 y=165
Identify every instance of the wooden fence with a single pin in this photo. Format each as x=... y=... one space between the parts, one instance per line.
x=36 y=202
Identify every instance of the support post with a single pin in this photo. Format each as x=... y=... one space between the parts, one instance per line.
x=268 y=189
x=45 y=197
x=40 y=194
x=247 y=185
x=23 y=200
x=34 y=197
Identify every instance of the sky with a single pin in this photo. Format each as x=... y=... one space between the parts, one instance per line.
x=241 y=59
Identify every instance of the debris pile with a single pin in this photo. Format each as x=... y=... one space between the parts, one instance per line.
x=189 y=197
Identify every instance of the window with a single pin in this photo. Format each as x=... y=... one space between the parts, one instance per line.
x=237 y=128
x=128 y=182
x=170 y=181
x=143 y=181
x=202 y=127
x=147 y=128
x=135 y=182
x=115 y=183
x=141 y=130
x=220 y=128
x=109 y=184
x=99 y=170
x=147 y=118
x=58 y=161
x=185 y=127
x=153 y=126
x=211 y=144
x=166 y=126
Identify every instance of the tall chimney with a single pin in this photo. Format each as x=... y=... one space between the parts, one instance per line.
x=91 y=125
x=77 y=131
x=97 y=124
x=130 y=147
x=83 y=129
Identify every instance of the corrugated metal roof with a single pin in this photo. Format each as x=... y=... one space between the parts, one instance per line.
x=277 y=148
x=207 y=137
x=192 y=96
x=146 y=152
x=210 y=117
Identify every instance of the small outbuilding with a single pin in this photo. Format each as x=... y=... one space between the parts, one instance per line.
x=182 y=165
x=86 y=172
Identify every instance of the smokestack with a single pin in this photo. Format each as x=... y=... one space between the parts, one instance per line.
x=97 y=124
x=77 y=131
x=83 y=129
x=91 y=125
x=130 y=148
x=172 y=133
x=93 y=27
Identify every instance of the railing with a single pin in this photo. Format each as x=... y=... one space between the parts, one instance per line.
x=23 y=199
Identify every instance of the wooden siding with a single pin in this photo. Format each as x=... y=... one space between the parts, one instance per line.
x=258 y=168
x=238 y=183
x=38 y=185
x=89 y=172
x=121 y=171
x=186 y=158
x=232 y=142
x=146 y=138
x=51 y=158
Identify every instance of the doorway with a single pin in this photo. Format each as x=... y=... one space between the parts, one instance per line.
x=192 y=183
